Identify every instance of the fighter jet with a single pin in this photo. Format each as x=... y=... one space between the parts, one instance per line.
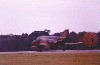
x=50 y=42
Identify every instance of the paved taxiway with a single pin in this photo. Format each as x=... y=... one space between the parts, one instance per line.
x=53 y=51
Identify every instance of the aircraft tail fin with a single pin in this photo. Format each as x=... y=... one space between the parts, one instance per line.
x=64 y=34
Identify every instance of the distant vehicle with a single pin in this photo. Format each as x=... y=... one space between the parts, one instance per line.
x=50 y=42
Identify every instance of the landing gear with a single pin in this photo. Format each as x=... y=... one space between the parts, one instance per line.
x=63 y=49
x=40 y=48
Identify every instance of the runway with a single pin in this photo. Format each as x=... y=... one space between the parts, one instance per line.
x=53 y=51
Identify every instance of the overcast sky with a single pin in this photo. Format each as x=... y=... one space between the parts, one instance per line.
x=26 y=16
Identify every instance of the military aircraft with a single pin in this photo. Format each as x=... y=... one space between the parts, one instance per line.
x=50 y=42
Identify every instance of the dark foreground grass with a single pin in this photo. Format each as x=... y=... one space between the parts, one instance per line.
x=51 y=59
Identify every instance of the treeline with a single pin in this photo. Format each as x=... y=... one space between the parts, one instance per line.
x=78 y=38
x=19 y=42
x=24 y=42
